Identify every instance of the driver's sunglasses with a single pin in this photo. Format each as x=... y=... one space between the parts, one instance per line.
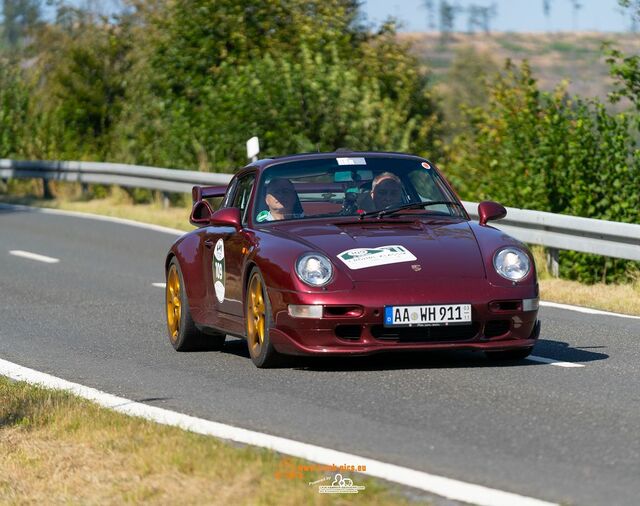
x=282 y=191
x=387 y=193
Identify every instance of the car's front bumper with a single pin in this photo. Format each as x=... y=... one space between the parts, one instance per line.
x=498 y=321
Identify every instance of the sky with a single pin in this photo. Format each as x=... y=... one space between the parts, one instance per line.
x=513 y=15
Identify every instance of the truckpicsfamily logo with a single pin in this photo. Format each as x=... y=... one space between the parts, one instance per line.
x=341 y=485
x=288 y=469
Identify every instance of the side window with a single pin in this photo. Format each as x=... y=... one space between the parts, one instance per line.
x=243 y=195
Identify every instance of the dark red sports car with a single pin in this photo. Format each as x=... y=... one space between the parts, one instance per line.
x=348 y=254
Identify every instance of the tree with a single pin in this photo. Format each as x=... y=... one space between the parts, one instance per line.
x=576 y=5
x=468 y=83
x=19 y=17
x=14 y=106
x=480 y=16
x=203 y=96
x=83 y=70
x=633 y=7
x=431 y=15
x=448 y=12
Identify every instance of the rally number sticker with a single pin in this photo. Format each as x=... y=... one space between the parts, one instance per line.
x=219 y=270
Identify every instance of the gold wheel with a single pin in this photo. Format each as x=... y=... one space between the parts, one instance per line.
x=256 y=322
x=173 y=303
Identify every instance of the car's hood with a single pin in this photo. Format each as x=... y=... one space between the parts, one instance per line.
x=420 y=250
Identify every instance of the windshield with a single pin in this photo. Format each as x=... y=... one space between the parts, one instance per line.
x=351 y=186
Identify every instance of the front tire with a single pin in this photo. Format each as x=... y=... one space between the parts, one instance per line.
x=183 y=333
x=258 y=322
x=517 y=354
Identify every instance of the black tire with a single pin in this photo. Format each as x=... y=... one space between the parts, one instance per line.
x=262 y=352
x=182 y=330
x=517 y=354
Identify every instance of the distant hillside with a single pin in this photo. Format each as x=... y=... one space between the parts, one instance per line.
x=553 y=56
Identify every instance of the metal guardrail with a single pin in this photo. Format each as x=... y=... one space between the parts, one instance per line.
x=559 y=231
x=134 y=176
x=555 y=231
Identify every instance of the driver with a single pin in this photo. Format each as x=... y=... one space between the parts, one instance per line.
x=281 y=199
x=386 y=190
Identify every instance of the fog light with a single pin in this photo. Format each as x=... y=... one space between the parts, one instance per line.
x=300 y=311
x=530 y=304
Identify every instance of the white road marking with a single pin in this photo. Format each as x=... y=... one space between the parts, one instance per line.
x=552 y=361
x=159 y=285
x=439 y=485
x=33 y=256
x=588 y=310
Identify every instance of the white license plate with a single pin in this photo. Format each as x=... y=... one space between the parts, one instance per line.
x=447 y=314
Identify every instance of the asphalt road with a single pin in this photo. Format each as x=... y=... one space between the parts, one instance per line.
x=554 y=433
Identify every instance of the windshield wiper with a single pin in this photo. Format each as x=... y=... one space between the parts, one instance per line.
x=413 y=205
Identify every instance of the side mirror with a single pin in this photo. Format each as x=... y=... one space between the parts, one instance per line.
x=229 y=216
x=488 y=211
x=200 y=213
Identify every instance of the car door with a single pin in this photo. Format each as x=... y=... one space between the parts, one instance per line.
x=224 y=254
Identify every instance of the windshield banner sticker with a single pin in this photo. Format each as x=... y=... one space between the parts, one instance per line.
x=361 y=258
x=351 y=161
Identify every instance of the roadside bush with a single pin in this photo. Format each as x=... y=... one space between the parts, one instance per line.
x=550 y=152
x=14 y=106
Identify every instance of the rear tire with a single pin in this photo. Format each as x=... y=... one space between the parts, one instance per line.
x=259 y=320
x=183 y=333
x=517 y=354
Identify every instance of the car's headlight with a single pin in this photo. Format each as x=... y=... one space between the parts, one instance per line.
x=314 y=269
x=512 y=263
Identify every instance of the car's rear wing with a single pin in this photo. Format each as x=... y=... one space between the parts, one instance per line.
x=207 y=192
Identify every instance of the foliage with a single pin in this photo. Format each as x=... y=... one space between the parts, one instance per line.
x=83 y=71
x=550 y=152
x=14 y=105
x=19 y=17
x=626 y=72
x=467 y=85
x=301 y=75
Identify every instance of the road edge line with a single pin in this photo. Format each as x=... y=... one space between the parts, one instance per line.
x=588 y=310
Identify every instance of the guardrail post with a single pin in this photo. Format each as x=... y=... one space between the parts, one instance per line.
x=165 y=200
x=553 y=262
x=46 y=190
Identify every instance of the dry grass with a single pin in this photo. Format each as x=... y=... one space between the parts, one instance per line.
x=617 y=298
x=116 y=203
x=58 y=449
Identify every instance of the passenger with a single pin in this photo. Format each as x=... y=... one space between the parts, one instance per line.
x=386 y=191
x=282 y=200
